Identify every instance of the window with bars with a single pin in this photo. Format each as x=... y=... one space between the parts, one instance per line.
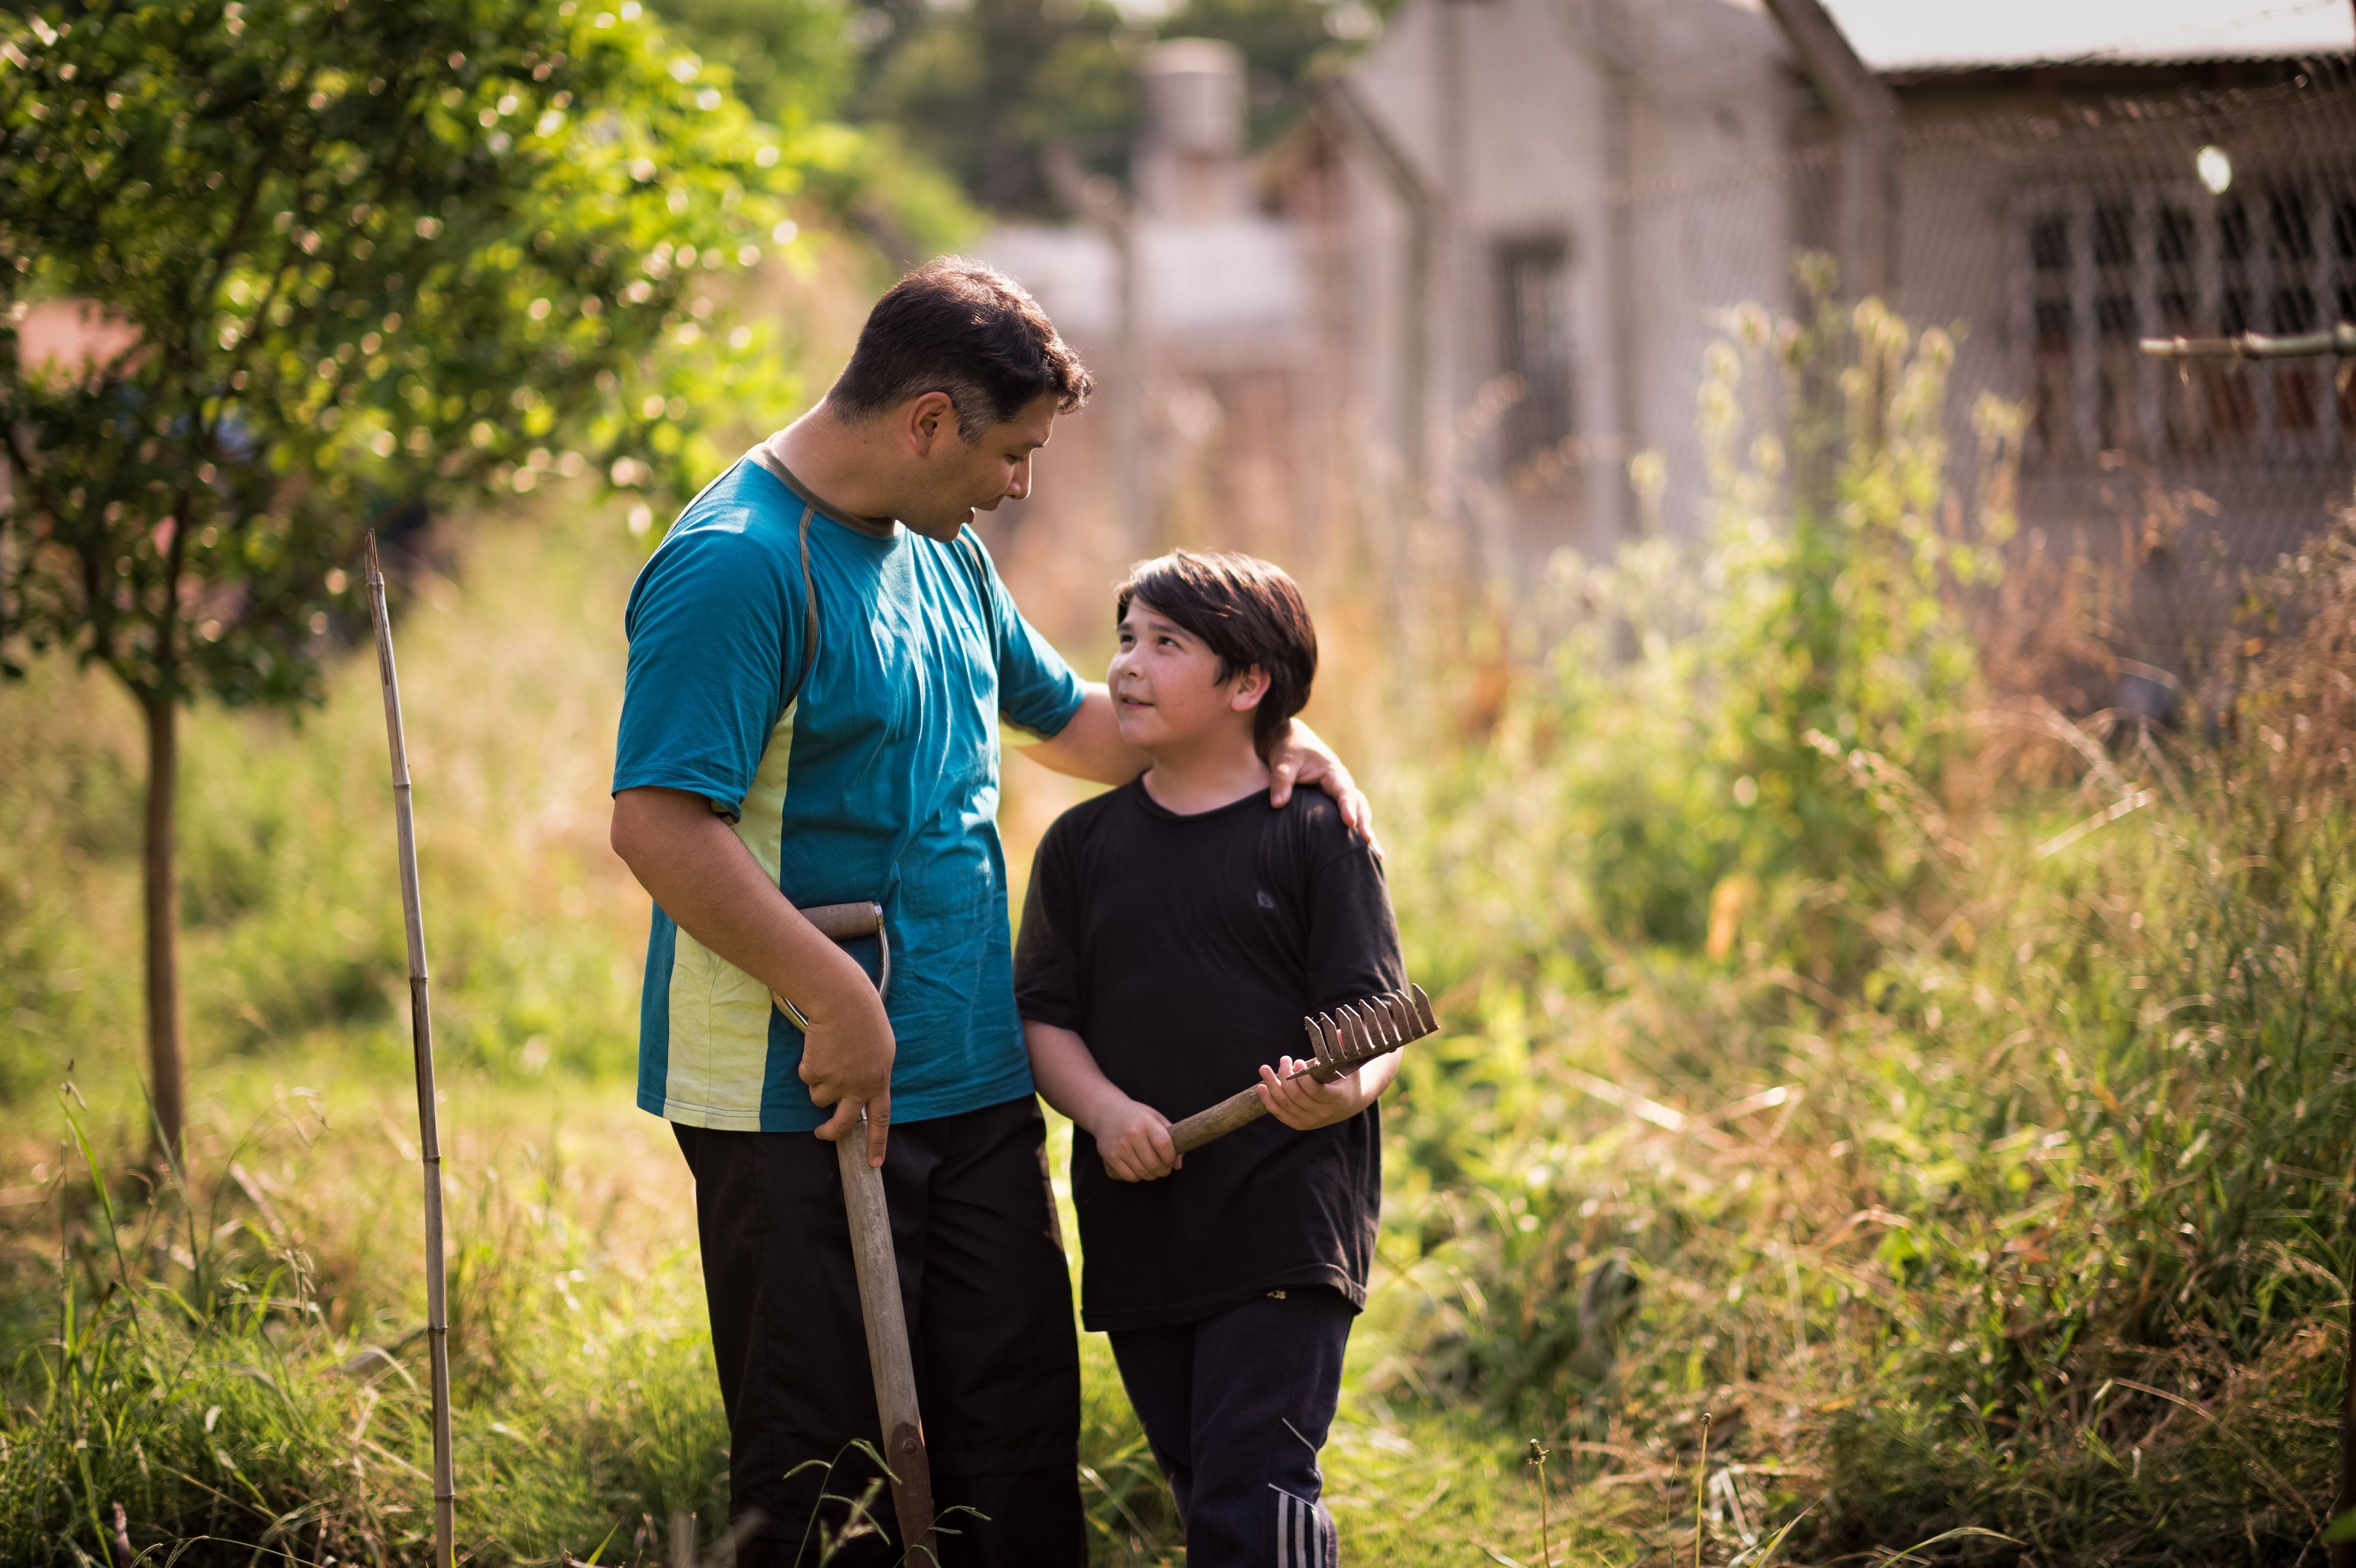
x=2106 y=269
x=1533 y=335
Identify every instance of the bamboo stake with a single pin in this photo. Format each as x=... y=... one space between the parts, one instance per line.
x=1540 y=1453
x=421 y=1031
x=2343 y=1507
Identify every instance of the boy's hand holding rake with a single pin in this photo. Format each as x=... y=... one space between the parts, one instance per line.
x=1295 y=1096
x=1137 y=1142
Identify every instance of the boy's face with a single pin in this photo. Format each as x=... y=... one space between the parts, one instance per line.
x=1166 y=691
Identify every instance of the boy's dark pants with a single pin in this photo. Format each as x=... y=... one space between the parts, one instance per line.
x=1237 y=1406
x=990 y=1322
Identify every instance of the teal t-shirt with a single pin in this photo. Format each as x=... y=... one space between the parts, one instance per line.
x=878 y=781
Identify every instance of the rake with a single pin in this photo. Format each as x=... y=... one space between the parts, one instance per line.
x=1340 y=1041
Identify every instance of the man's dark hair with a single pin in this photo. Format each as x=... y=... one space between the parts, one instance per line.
x=965 y=328
x=1248 y=612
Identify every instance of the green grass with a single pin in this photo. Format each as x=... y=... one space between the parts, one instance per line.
x=1825 y=1066
x=260 y=1383
x=1967 y=1129
x=241 y=1365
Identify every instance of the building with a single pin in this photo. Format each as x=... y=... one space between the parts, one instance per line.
x=1489 y=268
x=1541 y=212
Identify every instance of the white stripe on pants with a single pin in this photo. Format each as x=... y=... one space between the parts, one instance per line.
x=1305 y=1535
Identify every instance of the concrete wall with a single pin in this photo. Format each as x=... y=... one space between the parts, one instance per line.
x=1653 y=140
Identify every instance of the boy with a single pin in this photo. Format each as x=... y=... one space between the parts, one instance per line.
x=1177 y=930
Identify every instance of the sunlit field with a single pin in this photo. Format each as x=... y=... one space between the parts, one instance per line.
x=250 y=1350
x=1874 y=1109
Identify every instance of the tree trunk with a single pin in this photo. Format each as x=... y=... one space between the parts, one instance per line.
x=163 y=907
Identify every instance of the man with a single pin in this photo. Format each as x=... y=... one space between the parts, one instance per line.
x=821 y=656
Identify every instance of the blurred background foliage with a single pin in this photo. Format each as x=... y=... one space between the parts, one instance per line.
x=324 y=270
x=1951 y=1102
x=979 y=90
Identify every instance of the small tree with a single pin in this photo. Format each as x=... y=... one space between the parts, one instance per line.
x=351 y=256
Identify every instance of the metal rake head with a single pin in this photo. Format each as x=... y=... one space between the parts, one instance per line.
x=1349 y=1036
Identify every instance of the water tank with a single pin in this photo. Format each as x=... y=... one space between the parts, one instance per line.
x=1195 y=97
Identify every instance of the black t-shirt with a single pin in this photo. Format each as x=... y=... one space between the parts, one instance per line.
x=1185 y=950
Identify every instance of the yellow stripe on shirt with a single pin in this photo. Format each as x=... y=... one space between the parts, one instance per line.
x=718 y=1014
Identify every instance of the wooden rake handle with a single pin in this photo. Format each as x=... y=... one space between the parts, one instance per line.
x=1341 y=1041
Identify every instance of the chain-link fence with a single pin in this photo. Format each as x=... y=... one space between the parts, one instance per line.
x=2185 y=211
x=2048 y=232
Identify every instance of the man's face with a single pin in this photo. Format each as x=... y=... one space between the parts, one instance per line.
x=1166 y=689
x=954 y=477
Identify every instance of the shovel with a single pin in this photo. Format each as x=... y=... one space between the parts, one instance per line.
x=905 y=1459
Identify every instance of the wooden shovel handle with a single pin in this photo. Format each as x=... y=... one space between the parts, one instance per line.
x=841 y=922
x=878 y=1267
x=844 y=922
x=887 y=1345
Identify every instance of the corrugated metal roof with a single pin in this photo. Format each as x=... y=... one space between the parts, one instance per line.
x=1963 y=34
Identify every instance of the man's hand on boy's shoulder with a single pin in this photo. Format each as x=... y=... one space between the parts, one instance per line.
x=1301 y=756
x=1134 y=1140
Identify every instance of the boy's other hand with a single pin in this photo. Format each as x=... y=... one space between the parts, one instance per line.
x=1295 y=1097
x=1134 y=1140
x=1300 y=756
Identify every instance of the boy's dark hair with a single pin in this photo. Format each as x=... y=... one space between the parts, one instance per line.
x=1248 y=612
x=965 y=328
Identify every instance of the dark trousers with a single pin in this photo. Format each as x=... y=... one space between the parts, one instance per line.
x=1237 y=1406
x=990 y=1323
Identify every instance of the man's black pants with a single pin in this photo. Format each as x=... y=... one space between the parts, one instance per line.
x=990 y=1322
x=1237 y=1406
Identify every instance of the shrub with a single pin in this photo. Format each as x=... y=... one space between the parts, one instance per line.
x=1978 y=1169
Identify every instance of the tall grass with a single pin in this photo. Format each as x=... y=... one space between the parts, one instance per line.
x=231 y=1359
x=1971 y=1156
x=1944 y=1102
x=236 y=1360
x=240 y=1362
x=238 y=1370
